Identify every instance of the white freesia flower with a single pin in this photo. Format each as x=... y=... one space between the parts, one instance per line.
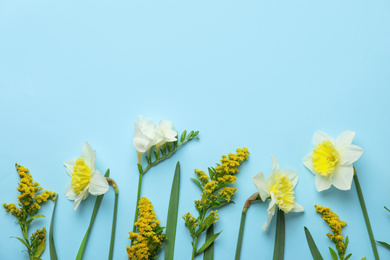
x=279 y=186
x=166 y=130
x=85 y=178
x=331 y=160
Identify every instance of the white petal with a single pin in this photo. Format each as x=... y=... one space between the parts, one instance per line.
x=308 y=162
x=98 y=184
x=69 y=166
x=344 y=138
x=297 y=208
x=319 y=137
x=165 y=125
x=81 y=196
x=141 y=144
x=69 y=192
x=87 y=154
x=158 y=136
x=322 y=182
x=342 y=178
x=271 y=212
x=291 y=174
x=261 y=185
x=275 y=171
x=349 y=154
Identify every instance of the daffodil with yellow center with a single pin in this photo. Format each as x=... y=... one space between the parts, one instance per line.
x=331 y=160
x=279 y=187
x=85 y=178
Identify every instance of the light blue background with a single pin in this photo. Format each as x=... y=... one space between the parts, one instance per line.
x=261 y=74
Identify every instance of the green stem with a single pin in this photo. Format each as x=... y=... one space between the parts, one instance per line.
x=114 y=217
x=95 y=210
x=279 y=237
x=365 y=214
x=240 y=234
x=138 y=197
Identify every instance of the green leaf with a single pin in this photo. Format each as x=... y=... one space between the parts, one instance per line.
x=209 y=252
x=39 y=249
x=240 y=235
x=384 y=244
x=173 y=210
x=21 y=240
x=205 y=225
x=365 y=214
x=333 y=253
x=198 y=184
x=387 y=209
x=364 y=258
x=183 y=136
x=113 y=227
x=346 y=244
x=347 y=257
x=279 y=237
x=312 y=245
x=211 y=173
x=52 y=247
x=95 y=210
x=207 y=243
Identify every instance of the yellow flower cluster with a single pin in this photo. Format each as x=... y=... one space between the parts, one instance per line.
x=28 y=200
x=229 y=164
x=336 y=225
x=149 y=239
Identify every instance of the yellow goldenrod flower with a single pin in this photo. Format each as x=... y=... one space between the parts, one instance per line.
x=279 y=186
x=336 y=225
x=85 y=178
x=147 y=242
x=331 y=160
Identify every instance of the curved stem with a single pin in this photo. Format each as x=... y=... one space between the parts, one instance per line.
x=114 y=217
x=365 y=214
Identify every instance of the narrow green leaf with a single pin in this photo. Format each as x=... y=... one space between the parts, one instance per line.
x=197 y=183
x=346 y=244
x=95 y=210
x=365 y=214
x=240 y=234
x=348 y=257
x=38 y=216
x=39 y=249
x=312 y=245
x=21 y=240
x=173 y=210
x=207 y=243
x=279 y=237
x=52 y=247
x=364 y=258
x=333 y=253
x=183 y=136
x=205 y=225
x=209 y=252
x=211 y=173
x=384 y=244
x=387 y=209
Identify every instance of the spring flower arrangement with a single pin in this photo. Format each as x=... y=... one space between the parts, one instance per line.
x=336 y=236
x=331 y=161
x=30 y=200
x=332 y=164
x=216 y=192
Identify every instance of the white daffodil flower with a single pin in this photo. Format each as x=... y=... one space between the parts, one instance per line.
x=166 y=130
x=146 y=134
x=331 y=160
x=85 y=178
x=279 y=186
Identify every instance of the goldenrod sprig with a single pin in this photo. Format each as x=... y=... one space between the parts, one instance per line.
x=149 y=239
x=216 y=192
x=26 y=211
